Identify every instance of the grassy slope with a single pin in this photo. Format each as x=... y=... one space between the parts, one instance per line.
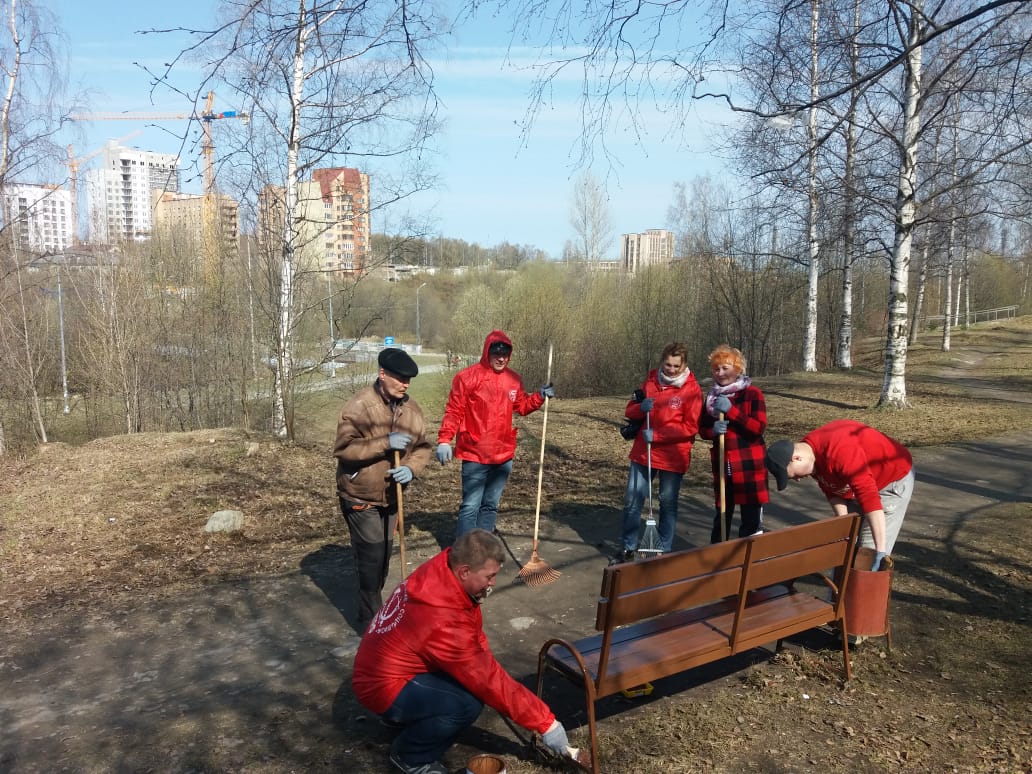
x=126 y=513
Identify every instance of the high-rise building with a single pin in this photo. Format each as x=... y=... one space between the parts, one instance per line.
x=119 y=195
x=41 y=215
x=333 y=222
x=653 y=247
x=206 y=226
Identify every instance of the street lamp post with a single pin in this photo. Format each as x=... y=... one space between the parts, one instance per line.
x=419 y=337
x=60 y=321
x=333 y=334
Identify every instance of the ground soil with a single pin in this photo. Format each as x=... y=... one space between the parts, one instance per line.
x=134 y=641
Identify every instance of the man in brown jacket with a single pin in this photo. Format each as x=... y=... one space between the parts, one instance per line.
x=378 y=421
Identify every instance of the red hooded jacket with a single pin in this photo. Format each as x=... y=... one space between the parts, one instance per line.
x=674 y=420
x=430 y=624
x=479 y=411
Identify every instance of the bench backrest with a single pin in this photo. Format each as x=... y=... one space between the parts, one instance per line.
x=636 y=591
x=784 y=554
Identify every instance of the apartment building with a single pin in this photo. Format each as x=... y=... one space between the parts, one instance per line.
x=118 y=193
x=196 y=222
x=333 y=222
x=651 y=248
x=42 y=217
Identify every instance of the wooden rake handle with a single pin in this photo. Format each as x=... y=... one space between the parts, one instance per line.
x=723 y=492
x=541 y=458
x=401 y=514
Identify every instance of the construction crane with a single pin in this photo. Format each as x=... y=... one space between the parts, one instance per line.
x=205 y=118
x=73 y=179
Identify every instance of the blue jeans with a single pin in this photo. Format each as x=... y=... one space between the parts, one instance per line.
x=482 y=487
x=434 y=709
x=638 y=485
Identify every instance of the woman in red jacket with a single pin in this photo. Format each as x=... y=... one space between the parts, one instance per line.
x=672 y=399
x=737 y=410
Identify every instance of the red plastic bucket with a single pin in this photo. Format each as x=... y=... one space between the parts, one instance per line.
x=867 y=596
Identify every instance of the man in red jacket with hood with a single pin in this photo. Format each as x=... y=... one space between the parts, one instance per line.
x=424 y=663
x=479 y=417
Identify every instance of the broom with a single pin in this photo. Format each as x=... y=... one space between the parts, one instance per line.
x=648 y=546
x=537 y=571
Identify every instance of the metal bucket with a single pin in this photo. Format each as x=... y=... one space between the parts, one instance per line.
x=867 y=596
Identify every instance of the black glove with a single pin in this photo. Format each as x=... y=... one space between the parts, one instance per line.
x=630 y=430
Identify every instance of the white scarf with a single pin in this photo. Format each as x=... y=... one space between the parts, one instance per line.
x=672 y=381
x=729 y=390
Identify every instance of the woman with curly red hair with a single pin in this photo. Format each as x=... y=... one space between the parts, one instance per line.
x=735 y=409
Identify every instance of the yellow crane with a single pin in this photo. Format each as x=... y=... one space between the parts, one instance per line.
x=73 y=179
x=205 y=117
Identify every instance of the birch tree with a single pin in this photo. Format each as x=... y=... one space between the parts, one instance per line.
x=326 y=83
x=631 y=52
x=589 y=216
x=31 y=82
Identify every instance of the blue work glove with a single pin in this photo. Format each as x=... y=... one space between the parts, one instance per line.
x=401 y=474
x=638 y=395
x=548 y=391
x=878 y=556
x=444 y=452
x=398 y=441
x=646 y=405
x=720 y=426
x=555 y=739
x=722 y=404
x=647 y=435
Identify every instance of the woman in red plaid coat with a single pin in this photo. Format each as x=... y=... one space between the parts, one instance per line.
x=744 y=422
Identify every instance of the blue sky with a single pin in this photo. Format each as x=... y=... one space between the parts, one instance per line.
x=494 y=187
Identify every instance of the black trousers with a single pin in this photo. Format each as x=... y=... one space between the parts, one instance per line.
x=752 y=517
x=372 y=541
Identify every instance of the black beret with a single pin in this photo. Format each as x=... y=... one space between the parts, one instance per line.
x=397 y=362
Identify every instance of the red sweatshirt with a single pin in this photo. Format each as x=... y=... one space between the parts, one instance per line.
x=854 y=461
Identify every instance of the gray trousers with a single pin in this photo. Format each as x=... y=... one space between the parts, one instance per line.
x=895 y=498
x=372 y=541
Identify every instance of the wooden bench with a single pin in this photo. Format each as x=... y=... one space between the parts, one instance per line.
x=664 y=615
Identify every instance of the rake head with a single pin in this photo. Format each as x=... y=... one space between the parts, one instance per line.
x=537 y=572
x=648 y=546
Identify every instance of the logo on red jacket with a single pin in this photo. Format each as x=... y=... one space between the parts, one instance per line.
x=675 y=402
x=512 y=396
x=391 y=613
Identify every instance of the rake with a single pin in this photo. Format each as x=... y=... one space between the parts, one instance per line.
x=649 y=546
x=537 y=572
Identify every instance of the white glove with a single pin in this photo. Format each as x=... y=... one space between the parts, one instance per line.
x=555 y=739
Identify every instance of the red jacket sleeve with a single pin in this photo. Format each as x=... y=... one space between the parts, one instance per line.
x=460 y=649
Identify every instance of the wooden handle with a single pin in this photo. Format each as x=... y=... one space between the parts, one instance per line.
x=401 y=514
x=723 y=494
x=541 y=458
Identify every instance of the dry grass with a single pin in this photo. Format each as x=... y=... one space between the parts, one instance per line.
x=120 y=518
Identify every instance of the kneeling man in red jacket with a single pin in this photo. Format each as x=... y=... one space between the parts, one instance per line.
x=424 y=663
